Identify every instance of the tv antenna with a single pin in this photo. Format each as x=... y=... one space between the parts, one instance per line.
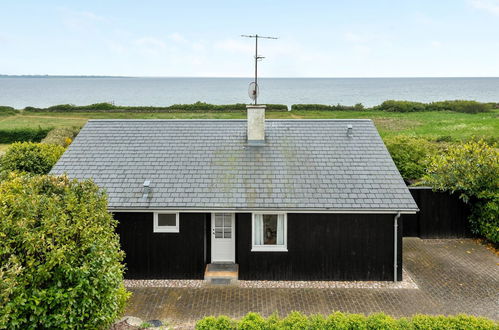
x=253 y=87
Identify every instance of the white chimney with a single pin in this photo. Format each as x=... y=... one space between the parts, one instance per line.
x=256 y=124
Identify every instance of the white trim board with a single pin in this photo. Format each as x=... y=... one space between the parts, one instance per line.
x=340 y=211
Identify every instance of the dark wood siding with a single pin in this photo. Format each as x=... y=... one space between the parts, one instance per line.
x=323 y=247
x=152 y=255
x=441 y=215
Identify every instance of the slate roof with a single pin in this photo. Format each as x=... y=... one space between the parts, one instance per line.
x=207 y=165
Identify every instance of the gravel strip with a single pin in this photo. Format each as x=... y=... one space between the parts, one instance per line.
x=165 y=283
x=407 y=283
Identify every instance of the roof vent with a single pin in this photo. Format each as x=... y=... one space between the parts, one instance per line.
x=147 y=189
x=349 y=130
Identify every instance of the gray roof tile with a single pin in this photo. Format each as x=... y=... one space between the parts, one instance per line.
x=305 y=165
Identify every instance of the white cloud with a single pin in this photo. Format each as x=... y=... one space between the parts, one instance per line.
x=151 y=42
x=236 y=46
x=177 y=37
x=80 y=20
x=150 y=45
x=436 y=44
x=353 y=37
x=491 y=6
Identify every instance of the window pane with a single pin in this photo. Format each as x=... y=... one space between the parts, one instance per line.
x=218 y=233
x=227 y=220
x=270 y=229
x=167 y=220
x=219 y=222
x=227 y=233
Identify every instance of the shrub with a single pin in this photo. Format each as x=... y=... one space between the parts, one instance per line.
x=400 y=106
x=325 y=107
x=23 y=134
x=294 y=320
x=108 y=107
x=459 y=106
x=411 y=155
x=471 y=170
x=35 y=158
x=252 y=321
x=344 y=321
x=7 y=111
x=382 y=322
x=60 y=259
x=62 y=136
x=455 y=105
x=221 y=322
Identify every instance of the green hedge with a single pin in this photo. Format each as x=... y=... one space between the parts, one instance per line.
x=23 y=134
x=325 y=107
x=296 y=320
x=7 y=111
x=464 y=106
x=456 y=106
x=107 y=107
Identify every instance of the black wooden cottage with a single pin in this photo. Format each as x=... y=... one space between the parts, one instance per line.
x=283 y=199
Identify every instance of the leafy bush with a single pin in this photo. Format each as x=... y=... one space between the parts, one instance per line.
x=411 y=155
x=60 y=258
x=325 y=107
x=400 y=106
x=456 y=106
x=108 y=107
x=471 y=170
x=23 y=134
x=221 y=322
x=459 y=106
x=35 y=158
x=381 y=321
x=62 y=136
x=345 y=321
x=7 y=111
x=252 y=321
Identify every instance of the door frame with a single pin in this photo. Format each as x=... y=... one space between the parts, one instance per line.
x=232 y=244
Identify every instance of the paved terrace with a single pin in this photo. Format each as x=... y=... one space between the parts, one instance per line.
x=453 y=276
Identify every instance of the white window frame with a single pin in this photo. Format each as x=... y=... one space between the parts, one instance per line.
x=166 y=229
x=270 y=248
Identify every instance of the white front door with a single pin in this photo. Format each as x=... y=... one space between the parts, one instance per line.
x=222 y=237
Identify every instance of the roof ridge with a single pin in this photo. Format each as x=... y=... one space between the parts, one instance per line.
x=233 y=120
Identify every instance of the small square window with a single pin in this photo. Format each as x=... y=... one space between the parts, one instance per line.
x=269 y=232
x=166 y=222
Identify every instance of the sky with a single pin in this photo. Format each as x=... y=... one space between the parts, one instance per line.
x=383 y=38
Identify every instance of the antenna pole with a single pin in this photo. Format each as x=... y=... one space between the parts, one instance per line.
x=256 y=36
x=256 y=66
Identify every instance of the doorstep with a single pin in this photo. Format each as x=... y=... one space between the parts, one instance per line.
x=221 y=273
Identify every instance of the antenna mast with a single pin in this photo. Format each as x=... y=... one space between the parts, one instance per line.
x=256 y=36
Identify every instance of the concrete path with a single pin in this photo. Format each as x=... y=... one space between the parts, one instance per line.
x=454 y=276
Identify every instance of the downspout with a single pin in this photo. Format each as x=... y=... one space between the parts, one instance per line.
x=395 y=246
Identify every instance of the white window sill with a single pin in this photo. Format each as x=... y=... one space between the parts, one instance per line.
x=166 y=230
x=262 y=248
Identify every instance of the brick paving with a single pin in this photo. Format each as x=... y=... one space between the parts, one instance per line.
x=453 y=276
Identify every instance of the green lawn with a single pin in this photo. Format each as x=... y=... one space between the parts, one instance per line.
x=432 y=125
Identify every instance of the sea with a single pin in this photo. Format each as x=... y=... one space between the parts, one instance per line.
x=44 y=91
